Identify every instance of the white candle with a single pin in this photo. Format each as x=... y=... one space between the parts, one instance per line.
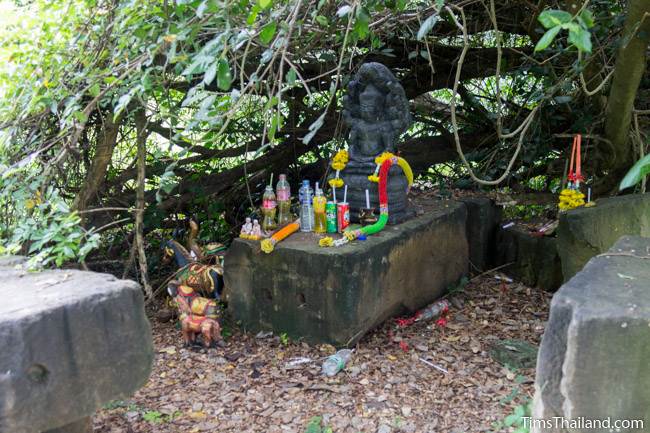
x=334 y=193
x=345 y=194
x=367 y=199
x=588 y=194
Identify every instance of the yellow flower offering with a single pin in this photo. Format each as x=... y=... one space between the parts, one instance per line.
x=571 y=199
x=373 y=178
x=341 y=156
x=326 y=242
x=383 y=157
x=335 y=182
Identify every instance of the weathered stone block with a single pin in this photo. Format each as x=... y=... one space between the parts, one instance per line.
x=336 y=295
x=534 y=259
x=585 y=232
x=483 y=218
x=593 y=360
x=71 y=341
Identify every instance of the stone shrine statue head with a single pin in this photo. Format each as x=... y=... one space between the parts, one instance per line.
x=377 y=111
x=371 y=103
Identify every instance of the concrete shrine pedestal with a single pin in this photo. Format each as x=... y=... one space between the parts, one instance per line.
x=335 y=295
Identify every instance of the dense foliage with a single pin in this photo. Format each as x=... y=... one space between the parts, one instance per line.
x=217 y=95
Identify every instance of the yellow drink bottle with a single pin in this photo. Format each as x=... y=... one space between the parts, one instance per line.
x=320 y=218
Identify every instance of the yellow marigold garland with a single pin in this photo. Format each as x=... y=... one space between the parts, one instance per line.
x=571 y=199
x=336 y=182
x=339 y=162
x=326 y=242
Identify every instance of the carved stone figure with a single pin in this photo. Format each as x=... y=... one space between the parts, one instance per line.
x=377 y=111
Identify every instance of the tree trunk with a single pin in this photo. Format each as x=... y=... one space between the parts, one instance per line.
x=106 y=141
x=141 y=128
x=629 y=69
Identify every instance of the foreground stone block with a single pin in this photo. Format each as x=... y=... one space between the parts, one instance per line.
x=585 y=232
x=336 y=295
x=71 y=341
x=593 y=360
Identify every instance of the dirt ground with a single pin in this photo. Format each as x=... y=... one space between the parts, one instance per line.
x=250 y=385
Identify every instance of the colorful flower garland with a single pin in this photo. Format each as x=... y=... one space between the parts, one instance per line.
x=339 y=162
x=386 y=160
x=571 y=197
x=268 y=244
x=406 y=168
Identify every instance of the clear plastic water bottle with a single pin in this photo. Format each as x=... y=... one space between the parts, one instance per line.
x=306 y=207
x=283 y=194
x=335 y=363
x=433 y=311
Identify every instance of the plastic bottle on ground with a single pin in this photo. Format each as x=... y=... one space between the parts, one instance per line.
x=433 y=311
x=335 y=363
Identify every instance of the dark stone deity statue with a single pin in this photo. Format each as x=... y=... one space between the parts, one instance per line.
x=377 y=111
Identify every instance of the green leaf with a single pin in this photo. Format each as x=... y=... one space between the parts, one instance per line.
x=553 y=17
x=587 y=18
x=313 y=129
x=362 y=24
x=636 y=174
x=201 y=9
x=427 y=25
x=547 y=39
x=253 y=15
x=224 y=77
x=291 y=77
x=314 y=425
x=439 y=4
x=80 y=116
x=94 y=90
x=322 y=20
x=266 y=3
x=210 y=73
x=268 y=31
x=581 y=39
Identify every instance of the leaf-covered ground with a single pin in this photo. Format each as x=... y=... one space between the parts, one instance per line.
x=251 y=386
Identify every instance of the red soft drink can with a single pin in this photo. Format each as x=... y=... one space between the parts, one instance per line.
x=342 y=216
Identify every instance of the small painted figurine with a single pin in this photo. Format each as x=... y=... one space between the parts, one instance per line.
x=256 y=233
x=211 y=253
x=188 y=301
x=246 y=229
x=206 y=279
x=192 y=325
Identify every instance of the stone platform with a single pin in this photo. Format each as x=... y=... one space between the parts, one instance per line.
x=586 y=232
x=71 y=341
x=336 y=295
